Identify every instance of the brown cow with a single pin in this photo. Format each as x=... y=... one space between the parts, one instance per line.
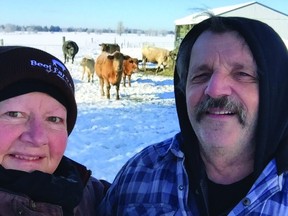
x=157 y=55
x=109 y=69
x=88 y=65
x=110 y=48
x=129 y=66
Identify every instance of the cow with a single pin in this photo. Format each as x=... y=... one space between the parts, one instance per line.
x=110 y=48
x=70 y=49
x=109 y=69
x=157 y=55
x=88 y=65
x=129 y=66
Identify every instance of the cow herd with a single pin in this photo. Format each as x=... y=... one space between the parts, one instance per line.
x=112 y=66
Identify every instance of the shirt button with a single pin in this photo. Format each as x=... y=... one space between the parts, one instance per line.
x=33 y=205
x=246 y=201
x=181 y=187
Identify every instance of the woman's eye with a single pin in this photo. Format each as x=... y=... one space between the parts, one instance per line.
x=55 y=119
x=14 y=114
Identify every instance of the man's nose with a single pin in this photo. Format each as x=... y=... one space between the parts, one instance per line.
x=218 y=86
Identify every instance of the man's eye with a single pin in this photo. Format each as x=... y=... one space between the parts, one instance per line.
x=245 y=77
x=55 y=119
x=201 y=78
x=244 y=74
x=14 y=114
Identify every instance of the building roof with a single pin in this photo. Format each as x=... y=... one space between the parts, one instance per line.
x=200 y=16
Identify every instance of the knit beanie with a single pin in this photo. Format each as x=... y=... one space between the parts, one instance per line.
x=26 y=69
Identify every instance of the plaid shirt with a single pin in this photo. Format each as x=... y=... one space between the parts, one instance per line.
x=154 y=182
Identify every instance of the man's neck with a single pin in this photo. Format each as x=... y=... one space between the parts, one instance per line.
x=223 y=171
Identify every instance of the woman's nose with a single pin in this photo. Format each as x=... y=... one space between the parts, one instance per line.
x=218 y=86
x=35 y=133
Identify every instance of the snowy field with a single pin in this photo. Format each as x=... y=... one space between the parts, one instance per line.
x=109 y=132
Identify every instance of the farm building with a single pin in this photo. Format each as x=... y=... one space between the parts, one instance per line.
x=254 y=10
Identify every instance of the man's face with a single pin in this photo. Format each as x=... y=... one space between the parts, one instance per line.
x=222 y=93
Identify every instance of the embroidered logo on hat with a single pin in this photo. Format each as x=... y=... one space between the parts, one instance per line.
x=56 y=67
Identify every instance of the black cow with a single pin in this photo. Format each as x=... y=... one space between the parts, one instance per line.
x=110 y=48
x=70 y=49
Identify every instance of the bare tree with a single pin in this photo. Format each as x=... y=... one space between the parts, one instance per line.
x=120 y=28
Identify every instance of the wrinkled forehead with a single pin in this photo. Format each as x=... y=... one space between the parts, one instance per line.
x=226 y=42
x=211 y=36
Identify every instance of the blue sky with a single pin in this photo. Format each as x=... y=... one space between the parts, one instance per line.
x=145 y=14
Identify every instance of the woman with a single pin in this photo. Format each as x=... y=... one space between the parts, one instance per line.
x=37 y=113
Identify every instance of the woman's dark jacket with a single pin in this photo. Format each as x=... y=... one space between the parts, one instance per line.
x=70 y=190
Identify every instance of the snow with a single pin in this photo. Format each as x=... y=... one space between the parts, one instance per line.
x=108 y=131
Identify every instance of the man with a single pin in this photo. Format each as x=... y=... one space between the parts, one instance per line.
x=230 y=158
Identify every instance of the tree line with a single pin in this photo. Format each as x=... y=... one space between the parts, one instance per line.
x=120 y=29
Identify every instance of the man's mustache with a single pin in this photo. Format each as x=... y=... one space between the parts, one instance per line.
x=226 y=103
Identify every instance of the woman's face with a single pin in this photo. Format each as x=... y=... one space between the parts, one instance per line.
x=33 y=132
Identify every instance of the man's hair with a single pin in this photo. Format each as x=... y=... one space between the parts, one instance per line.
x=218 y=26
x=215 y=25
